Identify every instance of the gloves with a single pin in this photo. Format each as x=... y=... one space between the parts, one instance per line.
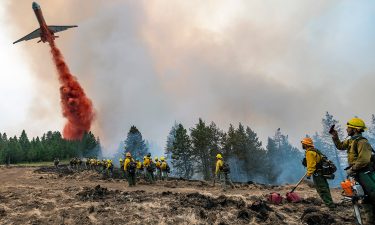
x=350 y=172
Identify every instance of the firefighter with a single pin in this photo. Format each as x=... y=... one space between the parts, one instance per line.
x=360 y=165
x=130 y=166
x=56 y=163
x=158 y=171
x=222 y=172
x=122 y=171
x=139 y=169
x=164 y=168
x=313 y=157
x=150 y=167
x=109 y=165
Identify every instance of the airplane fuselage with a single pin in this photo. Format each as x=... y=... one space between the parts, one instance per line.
x=45 y=32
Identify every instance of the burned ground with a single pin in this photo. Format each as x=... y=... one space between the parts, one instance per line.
x=48 y=196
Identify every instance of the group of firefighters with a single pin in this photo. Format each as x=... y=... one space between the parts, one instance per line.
x=359 y=151
x=130 y=168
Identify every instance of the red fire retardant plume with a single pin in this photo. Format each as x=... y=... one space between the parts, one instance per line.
x=76 y=106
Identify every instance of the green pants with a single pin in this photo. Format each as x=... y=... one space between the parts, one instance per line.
x=322 y=188
x=224 y=179
x=131 y=179
x=150 y=176
x=164 y=175
x=367 y=181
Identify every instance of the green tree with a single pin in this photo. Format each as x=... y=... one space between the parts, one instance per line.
x=182 y=155
x=201 y=139
x=25 y=145
x=135 y=144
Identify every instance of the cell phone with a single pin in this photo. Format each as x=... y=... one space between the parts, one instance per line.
x=332 y=129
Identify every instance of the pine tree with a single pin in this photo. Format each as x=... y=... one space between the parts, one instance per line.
x=182 y=155
x=25 y=144
x=170 y=139
x=286 y=159
x=328 y=147
x=135 y=144
x=204 y=147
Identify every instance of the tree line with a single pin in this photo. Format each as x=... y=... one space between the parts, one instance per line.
x=49 y=146
x=192 y=152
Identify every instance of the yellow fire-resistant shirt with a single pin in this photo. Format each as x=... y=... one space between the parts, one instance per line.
x=127 y=161
x=312 y=158
x=357 y=158
x=219 y=165
x=157 y=164
x=139 y=165
x=163 y=165
x=146 y=163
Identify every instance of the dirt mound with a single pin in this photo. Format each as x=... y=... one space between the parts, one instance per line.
x=313 y=216
x=207 y=202
x=61 y=170
x=93 y=193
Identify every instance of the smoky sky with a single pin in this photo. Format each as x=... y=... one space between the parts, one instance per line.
x=267 y=64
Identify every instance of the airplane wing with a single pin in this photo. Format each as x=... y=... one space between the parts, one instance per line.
x=32 y=35
x=56 y=29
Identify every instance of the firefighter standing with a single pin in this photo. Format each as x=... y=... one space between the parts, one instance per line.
x=313 y=158
x=130 y=166
x=221 y=173
x=359 y=160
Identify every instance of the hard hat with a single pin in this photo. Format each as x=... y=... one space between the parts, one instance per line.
x=128 y=154
x=156 y=158
x=149 y=155
x=120 y=159
x=144 y=157
x=356 y=123
x=162 y=158
x=218 y=156
x=308 y=141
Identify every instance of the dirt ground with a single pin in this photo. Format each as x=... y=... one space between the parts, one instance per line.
x=46 y=196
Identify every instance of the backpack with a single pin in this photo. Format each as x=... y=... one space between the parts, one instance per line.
x=355 y=146
x=151 y=167
x=132 y=167
x=168 y=169
x=325 y=167
x=225 y=168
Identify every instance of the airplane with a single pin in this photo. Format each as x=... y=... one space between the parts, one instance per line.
x=46 y=33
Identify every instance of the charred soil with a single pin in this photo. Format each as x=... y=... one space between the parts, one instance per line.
x=50 y=196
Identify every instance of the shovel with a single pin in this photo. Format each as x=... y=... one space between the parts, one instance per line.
x=293 y=197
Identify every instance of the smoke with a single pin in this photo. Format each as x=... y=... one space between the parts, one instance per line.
x=76 y=106
x=267 y=64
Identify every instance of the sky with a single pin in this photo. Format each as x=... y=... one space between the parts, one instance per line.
x=267 y=64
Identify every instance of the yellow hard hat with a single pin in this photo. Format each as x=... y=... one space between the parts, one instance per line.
x=128 y=154
x=356 y=123
x=120 y=159
x=156 y=158
x=162 y=158
x=218 y=156
x=308 y=141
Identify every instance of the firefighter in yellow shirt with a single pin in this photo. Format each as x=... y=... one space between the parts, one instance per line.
x=313 y=157
x=158 y=171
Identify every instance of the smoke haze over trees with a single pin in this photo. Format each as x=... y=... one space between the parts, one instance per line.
x=51 y=145
x=276 y=163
